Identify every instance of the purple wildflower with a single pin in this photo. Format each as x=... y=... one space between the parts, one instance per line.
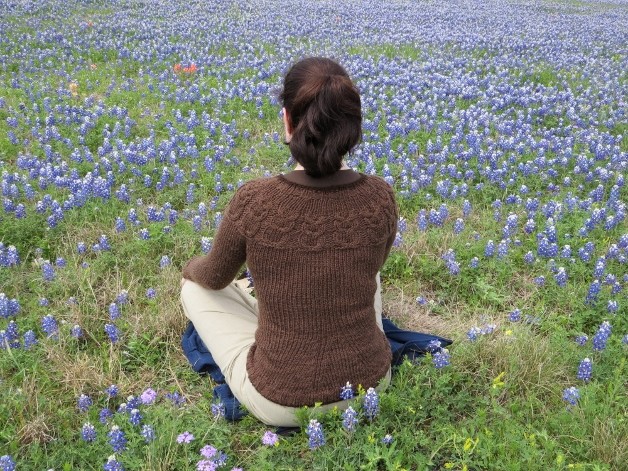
x=185 y=437
x=270 y=439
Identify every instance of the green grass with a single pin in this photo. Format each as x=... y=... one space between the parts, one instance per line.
x=497 y=406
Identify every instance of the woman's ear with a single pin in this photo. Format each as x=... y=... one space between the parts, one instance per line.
x=287 y=123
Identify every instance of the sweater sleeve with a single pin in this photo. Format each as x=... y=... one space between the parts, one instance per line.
x=393 y=233
x=220 y=266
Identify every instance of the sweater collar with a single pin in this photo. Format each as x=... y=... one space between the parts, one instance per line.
x=341 y=177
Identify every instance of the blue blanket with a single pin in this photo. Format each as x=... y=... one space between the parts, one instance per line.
x=403 y=343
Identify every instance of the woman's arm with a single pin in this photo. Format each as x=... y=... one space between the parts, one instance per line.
x=220 y=266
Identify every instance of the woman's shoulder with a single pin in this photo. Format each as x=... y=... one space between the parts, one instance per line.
x=256 y=186
x=380 y=186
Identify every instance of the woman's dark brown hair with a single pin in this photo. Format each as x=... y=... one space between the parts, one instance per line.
x=325 y=115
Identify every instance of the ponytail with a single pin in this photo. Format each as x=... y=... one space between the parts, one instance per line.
x=325 y=114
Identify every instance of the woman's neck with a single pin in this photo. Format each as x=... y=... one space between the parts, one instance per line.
x=344 y=166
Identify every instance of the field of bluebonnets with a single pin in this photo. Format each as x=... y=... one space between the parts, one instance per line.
x=126 y=126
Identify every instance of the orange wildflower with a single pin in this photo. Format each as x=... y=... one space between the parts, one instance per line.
x=177 y=67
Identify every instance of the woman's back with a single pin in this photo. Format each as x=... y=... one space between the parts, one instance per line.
x=314 y=254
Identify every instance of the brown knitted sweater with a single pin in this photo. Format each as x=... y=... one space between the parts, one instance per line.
x=313 y=247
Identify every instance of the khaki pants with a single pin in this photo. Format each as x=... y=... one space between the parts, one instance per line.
x=226 y=321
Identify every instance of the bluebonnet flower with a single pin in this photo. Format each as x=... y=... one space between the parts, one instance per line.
x=7 y=463
x=120 y=225
x=12 y=334
x=489 y=250
x=42 y=302
x=60 y=262
x=581 y=339
x=441 y=358
x=433 y=346
x=50 y=327
x=103 y=242
x=466 y=208
x=458 y=226
x=566 y=252
x=349 y=419
x=571 y=395
x=398 y=240
x=502 y=249
x=48 y=271
x=112 y=391
x=76 y=331
x=515 y=315
x=84 y=402
x=584 y=370
x=114 y=311
x=624 y=339
x=221 y=459
x=175 y=398
x=488 y=329
x=371 y=404
x=346 y=392
x=529 y=226
x=420 y=300
x=422 y=221
x=206 y=244
x=151 y=293
x=133 y=402
x=8 y=307
x=539 y=280
x=164 y=262
x=144 y=234
x=612 y=306
x=600 y=266
x=601 y=336
x=387 y=439
x=561 y=277
x=122 y=297
x=474 y=263
x=29 y=339
x=117 y=439
x=594 y=290
x=584 y=255
x=135 y=417
x=473 y=333
x=104 y=415
x=218 y=410
x=315 y=433
x=528 y=258
x=148 y=433
x=88 y=432
x=112 y=332
x=113 y=464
